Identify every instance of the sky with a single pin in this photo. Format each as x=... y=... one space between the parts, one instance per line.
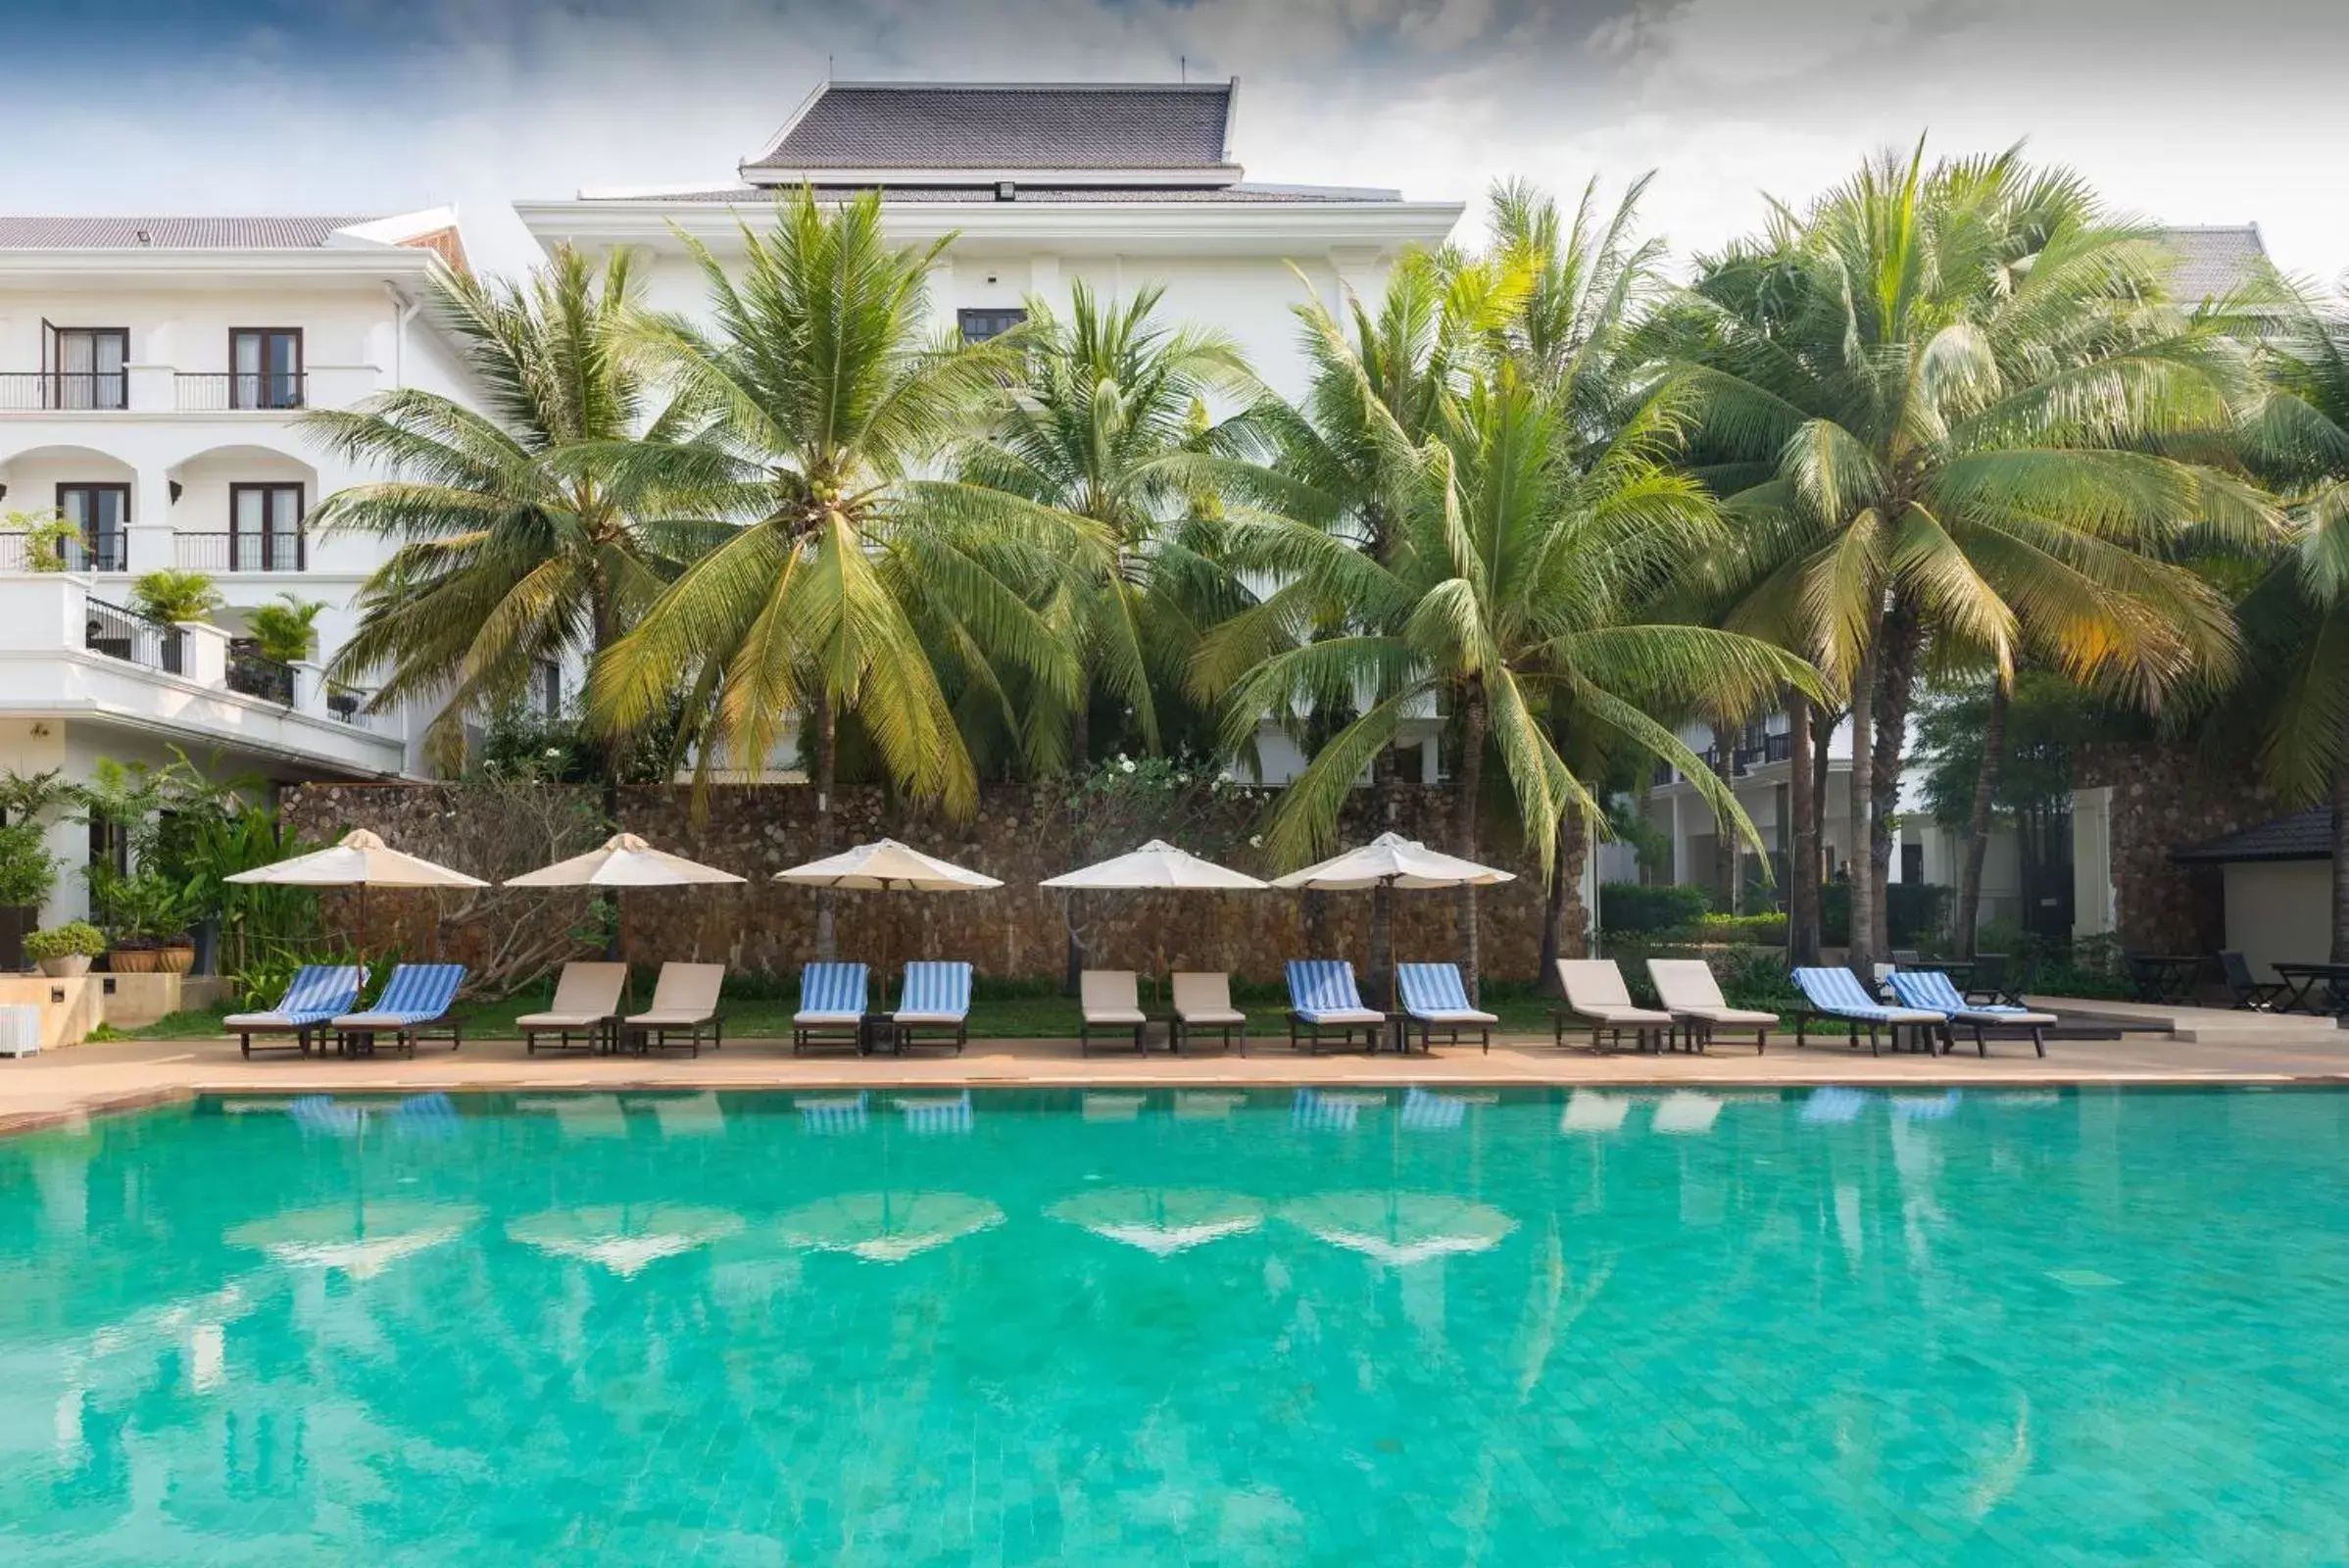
x=2199 y=113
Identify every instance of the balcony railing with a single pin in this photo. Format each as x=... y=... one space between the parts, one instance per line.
x=29 y=391
x=241 y=552
x=348 y=705
x=106 y=553
x=130 y=636
x=213 y=392
x=254 y=675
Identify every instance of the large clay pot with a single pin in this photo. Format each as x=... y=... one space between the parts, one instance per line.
x=134 y=961
x=72 y=966
x=178 y=959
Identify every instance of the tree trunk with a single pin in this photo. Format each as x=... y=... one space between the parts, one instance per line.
x=1317 y=923
x=1469 y=782
x=1802 y=858
x=2340 y=855
x=1565 y=879
x=1072 y=968
x=1977 y=820
x=1862 y=953
x=1824 y=723
x=1380 y=975
x=823 y=741
x=1897 y=686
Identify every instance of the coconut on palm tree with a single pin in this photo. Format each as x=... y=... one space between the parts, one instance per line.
x=1950 y=402
x=848 y=580
x=519 y=540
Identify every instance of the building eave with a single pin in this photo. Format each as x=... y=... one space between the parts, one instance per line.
x=389 y=263
x=1180 y=176
x=1268 y=229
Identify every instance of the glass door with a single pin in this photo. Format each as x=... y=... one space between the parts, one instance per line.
x=267 y=361
x=101 y=513
x=265 y=528
x=86 y=366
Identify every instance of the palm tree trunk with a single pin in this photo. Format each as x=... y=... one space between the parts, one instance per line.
x=1824 y=723
x=1725 y=838
x=1977 y=820
x=823 y=741
x=1802 y=859
x=1470 y=786
x=1861 y=954
x=1381 y=977
x=2340 y=855
x=1896 y=678
x=1565 y=876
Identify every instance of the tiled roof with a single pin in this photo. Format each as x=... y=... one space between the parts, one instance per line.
x=1010 y=125
x=760 y=195
x=2302 y=836
x=170 y=233
x=2215 y=261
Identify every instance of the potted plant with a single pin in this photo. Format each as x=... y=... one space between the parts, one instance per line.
x=284 y=631
x=147 y=915
x=49 y=538
x=64 y=951
x=169 y=594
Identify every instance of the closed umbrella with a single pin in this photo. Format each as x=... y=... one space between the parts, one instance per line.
x=362 y=860
x=887 y=867
x=1390 y=861
x=1156 y=867
x=624 y=861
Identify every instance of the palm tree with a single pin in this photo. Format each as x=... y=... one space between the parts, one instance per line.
x=520 y=540
x=2297 y=614
x=1950 y=402
x=849 y=574
x=1111 y=423
x=1507 y=593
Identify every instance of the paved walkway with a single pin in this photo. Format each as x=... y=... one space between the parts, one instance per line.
x=88 y=1079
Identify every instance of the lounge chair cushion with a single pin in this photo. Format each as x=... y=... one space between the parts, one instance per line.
x=832 y=993
x=561 y=1020
x=670 y=1018
x=1931 y=988
x=1688 y=990
x=1837 y=992
x=685 y=993
x=934 y=991
x=1434 y=993
x=1200 y=997
x=1322 y=991
x=1110 y=996
x=415 y=993
x=318 y=992
x=1594 y=989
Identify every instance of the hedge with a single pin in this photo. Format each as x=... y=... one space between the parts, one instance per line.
x=1640 y=907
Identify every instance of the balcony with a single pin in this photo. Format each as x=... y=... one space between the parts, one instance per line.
x=79 y=391
x=238 y=551
x=67 y=653
x=106 y=553
x=208 y=392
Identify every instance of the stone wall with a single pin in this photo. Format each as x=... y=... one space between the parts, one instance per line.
x=2164 y=798
x=1019 y=834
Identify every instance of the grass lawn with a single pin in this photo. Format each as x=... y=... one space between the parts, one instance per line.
x=1016 y=1017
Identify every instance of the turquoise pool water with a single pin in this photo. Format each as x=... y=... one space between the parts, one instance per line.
x=1126 y=1329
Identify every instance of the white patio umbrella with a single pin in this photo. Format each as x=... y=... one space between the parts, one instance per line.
x=1161 y=1221
x=624 y=1239
x=1156 y=867
x=1390 y=861
x=887 y=867
x=359 y=1239
x=1399 y=1229
x=887 y=1227
x=622 y=862
x=362 y=860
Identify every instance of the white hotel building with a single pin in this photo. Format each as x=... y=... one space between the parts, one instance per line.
x=151 y=368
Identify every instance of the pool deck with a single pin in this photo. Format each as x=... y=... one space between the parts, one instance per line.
x=2173 y=1046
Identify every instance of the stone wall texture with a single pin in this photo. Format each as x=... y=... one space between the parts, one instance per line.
x=2164 y=798
x=1019 y=834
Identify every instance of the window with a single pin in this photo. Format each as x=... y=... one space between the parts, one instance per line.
x=546 y=689
x=101 y=513
x=85 y=367
x=265 y=367
x=110 y=845
x=981 y=324
x=1912 y=863
x=264 y=528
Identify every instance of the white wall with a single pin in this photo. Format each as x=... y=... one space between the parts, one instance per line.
x=2280 y=910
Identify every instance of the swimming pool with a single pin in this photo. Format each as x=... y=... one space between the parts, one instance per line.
x=1180 y=1328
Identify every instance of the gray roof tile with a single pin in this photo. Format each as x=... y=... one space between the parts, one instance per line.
x=2214 y=262
x=984 y=195
x=2302 y=836
x=1011 y=126
x=170 y=233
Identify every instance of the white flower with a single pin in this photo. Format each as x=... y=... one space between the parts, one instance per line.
x=1256 y=841
x=1127 y=765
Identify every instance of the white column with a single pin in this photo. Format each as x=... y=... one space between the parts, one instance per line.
x=2094 y=903
x=148 y=537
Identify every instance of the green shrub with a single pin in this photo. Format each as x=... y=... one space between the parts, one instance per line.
x=28 y=870
x=1912 y=912
x=1642 y=907
x=75 y=939
x=1749 y=976
x=171 y=594
x=1755 y=930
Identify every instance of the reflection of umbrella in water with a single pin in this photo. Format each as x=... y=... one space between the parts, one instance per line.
x=1399 y=1229
x=624 y=1239
x=1161 y=1221
x=361 y=1240
x=888 y=1227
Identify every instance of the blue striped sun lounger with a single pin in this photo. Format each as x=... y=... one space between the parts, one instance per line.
x=319 y=994
x=831 y=1115
x=832 y=1005
x=415 y=1005
x=1931 y=988
x=1837 y=992
x=1424 y=1111
x=1322 y=1112
x=934 y=1118
x=319 y=1116
x=934 y=996
x=1322 y=997
x=1435 y=996
x=433 y=1115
